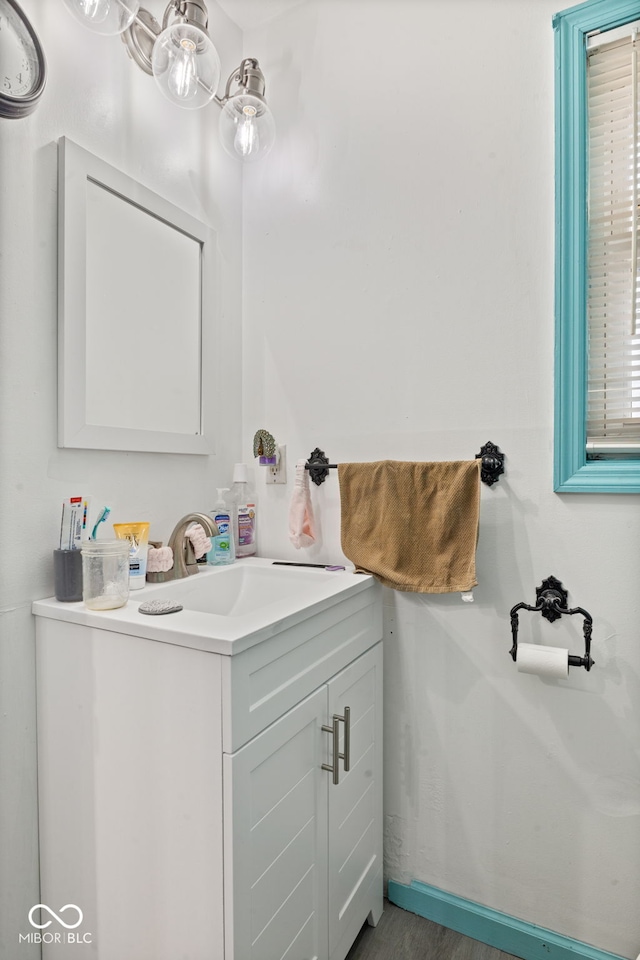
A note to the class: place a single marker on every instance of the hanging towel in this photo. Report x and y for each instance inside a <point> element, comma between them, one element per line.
<point>200,542</point>
<point>301,523</point>
<point>414,526</point>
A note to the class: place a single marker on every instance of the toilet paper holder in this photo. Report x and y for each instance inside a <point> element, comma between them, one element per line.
<point>551,602</point>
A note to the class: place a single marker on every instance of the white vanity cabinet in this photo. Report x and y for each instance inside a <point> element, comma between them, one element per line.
<point>185,807</point>
<point>306,851</point>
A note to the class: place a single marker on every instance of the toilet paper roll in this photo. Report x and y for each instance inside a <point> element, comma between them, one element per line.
<point>543,661</point>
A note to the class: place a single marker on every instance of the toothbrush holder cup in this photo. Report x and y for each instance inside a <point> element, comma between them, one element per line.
<point>67,573</point>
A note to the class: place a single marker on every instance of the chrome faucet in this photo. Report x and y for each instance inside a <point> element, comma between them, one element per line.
<point>184,561</point>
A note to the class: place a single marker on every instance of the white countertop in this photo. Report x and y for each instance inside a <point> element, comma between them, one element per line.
<point>259,600</point>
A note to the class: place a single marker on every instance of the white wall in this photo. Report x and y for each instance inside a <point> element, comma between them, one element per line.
<point>398,287</point>
<point>98,98</point>
<point>398,299</point>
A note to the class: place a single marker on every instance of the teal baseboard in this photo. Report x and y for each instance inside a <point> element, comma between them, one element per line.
<point>499,930</point>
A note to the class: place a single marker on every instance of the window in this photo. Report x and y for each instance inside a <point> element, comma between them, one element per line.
<point>597,428</point>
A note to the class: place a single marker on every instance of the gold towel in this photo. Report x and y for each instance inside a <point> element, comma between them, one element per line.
<point>414,526</point>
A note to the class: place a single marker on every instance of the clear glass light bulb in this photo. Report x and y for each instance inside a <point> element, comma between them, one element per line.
<point>108,17</point>
<point>247,139</point>
<point>247,128</point>
<point>186,65</point>
<point>182,77</point>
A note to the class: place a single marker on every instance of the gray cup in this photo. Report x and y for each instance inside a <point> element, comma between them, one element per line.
<point>67,570</point>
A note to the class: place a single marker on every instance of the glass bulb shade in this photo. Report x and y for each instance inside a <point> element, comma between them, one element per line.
<point>108,17</point>
<point>247,128</point>
<point>186,65</point>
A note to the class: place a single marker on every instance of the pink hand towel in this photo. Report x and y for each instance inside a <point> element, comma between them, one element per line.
<point>301,524</point>
<point>159,559</point>
<point>200,542</point>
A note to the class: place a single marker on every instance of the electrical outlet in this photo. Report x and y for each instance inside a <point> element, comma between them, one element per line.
<point>278,473</point>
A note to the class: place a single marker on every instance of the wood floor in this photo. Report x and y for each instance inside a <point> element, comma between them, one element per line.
<point>404,936</point>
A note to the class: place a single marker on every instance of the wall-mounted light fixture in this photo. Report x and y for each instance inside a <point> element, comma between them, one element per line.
<point>185,64</point>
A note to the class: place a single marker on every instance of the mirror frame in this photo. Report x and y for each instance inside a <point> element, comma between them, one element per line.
<point>76,168</point>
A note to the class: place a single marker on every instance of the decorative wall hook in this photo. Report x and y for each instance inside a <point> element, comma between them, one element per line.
<point>552,604</point>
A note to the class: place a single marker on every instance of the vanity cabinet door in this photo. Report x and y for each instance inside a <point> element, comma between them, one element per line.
<point>275,839</point>
<point>355,804</point>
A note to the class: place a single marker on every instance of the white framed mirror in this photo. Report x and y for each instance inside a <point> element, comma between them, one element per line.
<point>137,309</point>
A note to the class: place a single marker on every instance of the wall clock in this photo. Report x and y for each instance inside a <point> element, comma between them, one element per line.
<point>22,64</point>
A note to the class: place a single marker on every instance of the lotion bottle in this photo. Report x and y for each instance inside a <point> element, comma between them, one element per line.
<point>244,512</point>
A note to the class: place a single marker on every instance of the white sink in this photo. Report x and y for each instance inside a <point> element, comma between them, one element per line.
<point>245,587</point>
<point>225,609</point>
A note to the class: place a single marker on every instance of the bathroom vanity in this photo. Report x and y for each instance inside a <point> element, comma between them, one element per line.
<point>192,804</point>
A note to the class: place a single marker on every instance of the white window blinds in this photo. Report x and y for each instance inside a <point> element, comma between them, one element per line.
<point>613,397</point>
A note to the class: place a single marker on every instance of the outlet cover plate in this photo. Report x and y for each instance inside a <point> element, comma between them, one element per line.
<point>278,473</point>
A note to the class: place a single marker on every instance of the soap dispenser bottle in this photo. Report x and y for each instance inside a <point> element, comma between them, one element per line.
<point>244,512</point>
<point>222,547</point>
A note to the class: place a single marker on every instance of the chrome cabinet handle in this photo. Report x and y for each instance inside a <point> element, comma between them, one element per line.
<point>346,756</point>
<point>334,730</point>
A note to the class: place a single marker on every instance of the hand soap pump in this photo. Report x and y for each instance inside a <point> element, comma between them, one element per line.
<point>244,512</point>
<point>222,547</point>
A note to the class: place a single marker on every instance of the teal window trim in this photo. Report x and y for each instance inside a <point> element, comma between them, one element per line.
<point>573,473</point>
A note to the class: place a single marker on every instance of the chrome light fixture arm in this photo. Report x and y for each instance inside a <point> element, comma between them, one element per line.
<point>189,11</point>
<point>249,76</point>
<point>145,22</point>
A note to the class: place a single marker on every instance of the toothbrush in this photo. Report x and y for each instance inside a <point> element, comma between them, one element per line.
<point>102,516</point>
